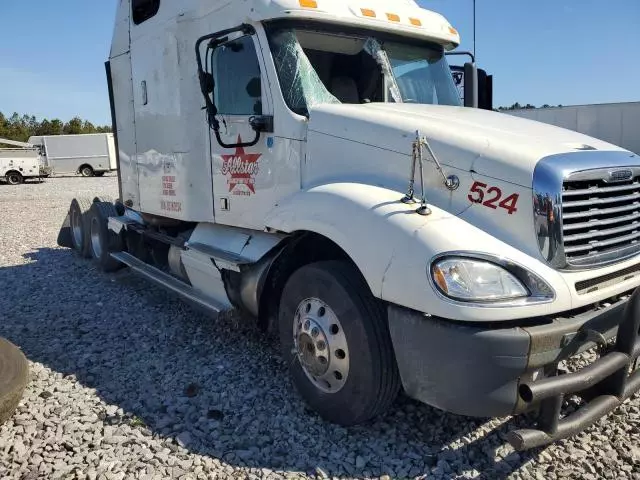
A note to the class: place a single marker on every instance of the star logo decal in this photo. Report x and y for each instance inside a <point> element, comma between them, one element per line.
<point>241,168</point>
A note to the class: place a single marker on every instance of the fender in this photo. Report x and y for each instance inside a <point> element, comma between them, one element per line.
<point>369,223</point>
<point>393,247</point>
<point>407,281</point>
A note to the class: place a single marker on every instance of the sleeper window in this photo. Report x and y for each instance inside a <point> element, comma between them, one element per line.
<point>238,83</point>
<point>143,10</point>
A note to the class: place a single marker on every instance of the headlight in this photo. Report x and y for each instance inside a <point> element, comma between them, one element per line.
<point>476,280</point>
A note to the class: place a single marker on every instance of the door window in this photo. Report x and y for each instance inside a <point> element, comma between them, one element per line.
<point>237,77</point>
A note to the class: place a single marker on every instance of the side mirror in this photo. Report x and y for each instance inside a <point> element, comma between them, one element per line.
<point>470,85</point>
<point>478,88</point>
<point>207,83</point>
<point>254,88</point>
<point>485,90</point>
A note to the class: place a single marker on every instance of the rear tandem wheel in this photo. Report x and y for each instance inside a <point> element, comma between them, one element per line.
<point>102,241</point>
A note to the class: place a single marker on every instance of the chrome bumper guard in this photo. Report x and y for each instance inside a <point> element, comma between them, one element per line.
<point>606,382</point>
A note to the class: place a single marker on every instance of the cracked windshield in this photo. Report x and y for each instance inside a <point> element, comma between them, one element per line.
<point>317,67</point>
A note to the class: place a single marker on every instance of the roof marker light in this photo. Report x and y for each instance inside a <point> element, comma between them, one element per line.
<point>393,17</point>
<point>453,31</point>
<point>416,22</point>
<point>309,3</point>
<point>368,12</point>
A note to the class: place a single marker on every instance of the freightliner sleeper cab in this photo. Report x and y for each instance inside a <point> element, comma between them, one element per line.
<point>310,162</point>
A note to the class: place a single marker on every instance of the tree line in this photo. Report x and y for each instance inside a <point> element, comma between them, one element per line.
<point>21,127</point>
<point>528,106</point>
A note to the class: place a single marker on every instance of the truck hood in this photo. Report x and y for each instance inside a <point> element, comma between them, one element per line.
<point>488,143</point>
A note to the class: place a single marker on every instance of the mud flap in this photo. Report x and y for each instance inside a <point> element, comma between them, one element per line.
<point>64,237</point>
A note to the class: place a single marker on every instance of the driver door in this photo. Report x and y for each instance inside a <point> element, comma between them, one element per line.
<point>243,159</point>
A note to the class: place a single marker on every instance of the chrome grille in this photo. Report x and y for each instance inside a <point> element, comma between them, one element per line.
<point>600,220</point>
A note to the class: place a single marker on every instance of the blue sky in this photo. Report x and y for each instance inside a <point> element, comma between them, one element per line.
<point>540,51</point>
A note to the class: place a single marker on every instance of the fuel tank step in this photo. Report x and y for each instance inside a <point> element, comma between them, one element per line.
<point>170,283</point>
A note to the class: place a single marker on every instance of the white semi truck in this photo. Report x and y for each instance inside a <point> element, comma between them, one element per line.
<point>20,161</point>
<point>89,155</point>
<point>334,187</point>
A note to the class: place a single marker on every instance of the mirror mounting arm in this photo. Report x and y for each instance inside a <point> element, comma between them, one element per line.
<point>259,123</point>
<point>207,85</point>
<point>236,145</point>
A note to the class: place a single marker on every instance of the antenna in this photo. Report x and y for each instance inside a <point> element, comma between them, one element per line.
<point>474,28</point>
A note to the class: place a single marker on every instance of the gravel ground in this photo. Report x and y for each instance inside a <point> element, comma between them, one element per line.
<point>129,383</point>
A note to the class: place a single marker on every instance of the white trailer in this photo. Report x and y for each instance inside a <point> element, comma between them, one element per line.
<point>20,161</point>
<point>335,188</point>
<point>88,155</point>
<point>617,123</point>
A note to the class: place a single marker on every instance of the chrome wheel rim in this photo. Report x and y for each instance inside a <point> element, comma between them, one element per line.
<point>76,228</point>
<point>321,345</point>
<point>96,246</point>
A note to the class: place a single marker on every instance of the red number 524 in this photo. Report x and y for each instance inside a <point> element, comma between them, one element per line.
<point>491,197</point>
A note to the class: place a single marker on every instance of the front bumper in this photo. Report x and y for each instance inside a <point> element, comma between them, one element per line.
<point>487,372</point>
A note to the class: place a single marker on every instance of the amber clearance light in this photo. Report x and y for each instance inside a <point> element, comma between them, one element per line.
<point>438,276</point>
<point>367,12</point>
<point>309,3</point>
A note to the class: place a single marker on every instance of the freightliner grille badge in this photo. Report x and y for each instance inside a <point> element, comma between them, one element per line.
<point>620,176</point>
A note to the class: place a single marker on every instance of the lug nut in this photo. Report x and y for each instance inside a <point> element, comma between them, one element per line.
<point>321,345</point>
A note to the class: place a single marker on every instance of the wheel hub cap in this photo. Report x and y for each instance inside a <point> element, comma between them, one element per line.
<point>321,345</point>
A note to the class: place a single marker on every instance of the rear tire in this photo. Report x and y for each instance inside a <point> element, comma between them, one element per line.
<point>102,241</point>
<point>15,178</point>
<point>87,171</point>
<point>14,376</point>
<point>78,221</point>
<point>335,339</point>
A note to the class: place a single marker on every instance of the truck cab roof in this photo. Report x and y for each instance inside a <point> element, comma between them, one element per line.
<point>403,17</point>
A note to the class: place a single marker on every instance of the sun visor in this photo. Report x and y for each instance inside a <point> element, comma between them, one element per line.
<point>402,17</point>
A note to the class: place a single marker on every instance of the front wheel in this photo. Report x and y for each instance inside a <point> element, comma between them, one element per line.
<point>335,339</point>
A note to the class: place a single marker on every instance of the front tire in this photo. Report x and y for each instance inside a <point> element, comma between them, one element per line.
<point>335,339</point>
